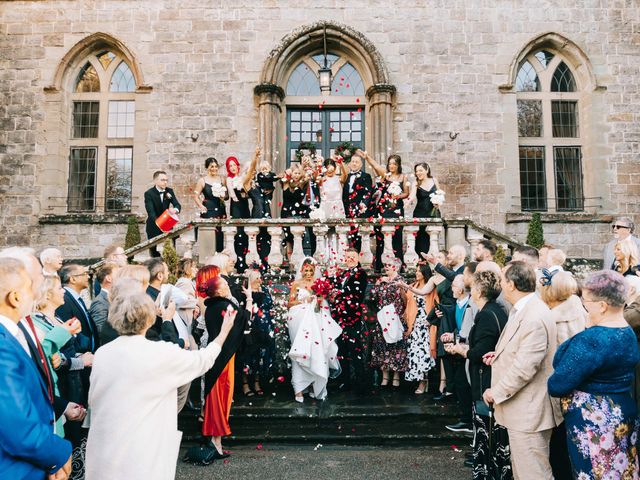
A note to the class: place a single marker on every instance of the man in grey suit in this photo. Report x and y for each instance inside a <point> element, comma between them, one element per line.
<point>622,228</point>
<point>99,309</point>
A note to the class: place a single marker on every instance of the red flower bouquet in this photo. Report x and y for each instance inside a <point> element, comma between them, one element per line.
<point>321,287</point>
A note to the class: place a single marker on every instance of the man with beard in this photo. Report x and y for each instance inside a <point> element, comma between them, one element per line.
<point>347,305</point>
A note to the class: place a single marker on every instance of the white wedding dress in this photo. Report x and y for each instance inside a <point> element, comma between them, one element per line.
<point>313,345</point>
<point>331,197</point>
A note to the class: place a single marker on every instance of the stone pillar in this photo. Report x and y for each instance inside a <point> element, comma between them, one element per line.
<point>473,238</point>
<point>252,254</point>
<point>434,238</point>
<point>455,235</point>
<point>298,254</point>
<point>410,256</point>
<point>321,231</point>
<point>366,255</point>
<point>388,231</point>
<point>342,232</point>
<point>275,255</point>
<point>380,119</point>
<point>229,234</point>
<point>206,242</point>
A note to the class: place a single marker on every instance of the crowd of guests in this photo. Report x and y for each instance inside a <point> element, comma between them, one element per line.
<point>313,187</point>
<point>544,369</point>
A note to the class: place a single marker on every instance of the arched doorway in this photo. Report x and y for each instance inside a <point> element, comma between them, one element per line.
<point>294,108</point>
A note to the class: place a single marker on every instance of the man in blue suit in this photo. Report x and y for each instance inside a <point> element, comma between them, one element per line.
<point>29,447</point>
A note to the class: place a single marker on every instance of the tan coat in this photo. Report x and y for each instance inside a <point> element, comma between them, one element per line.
<point>522,365</point>
<point>570,318</point>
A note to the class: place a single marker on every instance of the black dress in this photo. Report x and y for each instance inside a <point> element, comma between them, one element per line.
<point>240,209</point>
<point>215,209</point>
<point>424,209</point>
<point>293,207</point>
<point>388,209</point>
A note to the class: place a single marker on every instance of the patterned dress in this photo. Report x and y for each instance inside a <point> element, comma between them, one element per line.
<point>391,356</point>
<point>418,351</point>
<point>593,372</point>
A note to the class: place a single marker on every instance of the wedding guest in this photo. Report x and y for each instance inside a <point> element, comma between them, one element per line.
<point>426,185</point>
<point>219,380</point>
<point>56,336</point>
<point>626,257</point>
<point>484,250</point>
<point>51,259</point>
<point>294,186</point>
<point>389,357</point>
<point>210,195</point>
<point>453,266</point>
<point>632,316</point>
<point>528,255</point>
<point>558,290</point>
<point>592,375</point>
<point>392,189</point>
<point>140,273</point>
<point>486,266</point>
<point>261,195</point>
<point>555,258</point>
<point>30,448</point>
<point>99,310</point>
<point>622,229</point>
<point>156,200</point>
<point>491,445</point>
<point>356,197</point>
<point>162,329</point>
<point>238,186</point>
<point>543,251</point>
<point>114,254</point>
<point>187,269</point>
<point>121,286</point>
<point>257,353</point>
<point>133,403</point>
<point>521,365</point>
<point>347,306</point>
<point>417,333</point>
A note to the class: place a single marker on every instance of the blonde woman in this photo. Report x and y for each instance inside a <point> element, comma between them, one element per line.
<point>626,255</point>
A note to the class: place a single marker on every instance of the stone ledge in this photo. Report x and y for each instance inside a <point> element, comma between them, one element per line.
<point>88,218</point>
<point>568,217</point>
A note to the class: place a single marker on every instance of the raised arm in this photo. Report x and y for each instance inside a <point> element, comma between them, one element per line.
<point>251,171</point>
<point>343,172</point>
<point>425,290</point>
<point>379,169</point>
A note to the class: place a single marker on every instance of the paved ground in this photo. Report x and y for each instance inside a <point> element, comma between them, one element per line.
<point>290,462</point>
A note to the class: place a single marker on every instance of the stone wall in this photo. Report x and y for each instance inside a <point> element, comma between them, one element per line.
<point>447,61</point>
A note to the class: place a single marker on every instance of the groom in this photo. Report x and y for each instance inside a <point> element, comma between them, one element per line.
<point>347,308</point>
<point>156,200</point>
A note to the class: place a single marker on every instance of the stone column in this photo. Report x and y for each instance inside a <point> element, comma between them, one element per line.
<point>366,255</point>
<point>455,234</point>
<point>380,118</point>
<point>298,254</point>
<point>388,231</point>
<point>473,238</point>
<point>321,231</point>
<point>275,255</point>
<point>229,234</point>
<point>206,242</point>
<point>252,253</point>
<point>342,232</point>
<point>434,238</point>
<point>410,256</point>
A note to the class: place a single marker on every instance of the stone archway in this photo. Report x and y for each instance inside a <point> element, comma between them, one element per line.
<point>270,93</point>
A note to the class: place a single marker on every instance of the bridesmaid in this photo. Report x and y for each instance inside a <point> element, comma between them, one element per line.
<point>420,193</point>
<point>210,196</point>
<point>238,186</point>
<point>389,205</point>
<point>389,356</point>
<point>294,187</point>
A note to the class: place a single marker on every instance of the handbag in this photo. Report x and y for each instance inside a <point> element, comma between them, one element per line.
<point>392,328</point>
<point>200,455</point>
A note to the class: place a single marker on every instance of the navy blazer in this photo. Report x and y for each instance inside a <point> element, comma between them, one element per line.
<point>29,448</point>
<point>87,340</point>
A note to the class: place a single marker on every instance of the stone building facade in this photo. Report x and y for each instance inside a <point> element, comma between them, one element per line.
<point>517,106</point>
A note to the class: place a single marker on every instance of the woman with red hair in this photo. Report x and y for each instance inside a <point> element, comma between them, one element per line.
<point>238,185</point>
<point>219,381</point>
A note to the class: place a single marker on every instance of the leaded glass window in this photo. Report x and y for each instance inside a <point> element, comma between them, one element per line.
<point>564,118</point>
<point>347,82</point>
<point>568,173</point>
<point>85,119</point>
<point>533,190</point>
<point>121,119</point>
<point>119,168</point>
<point>527,80</point>
<point>562,80</point>
<point>122,80</point>
<point>530,118</point>
<point>82,179</point>
<point>87,79</point>
<point>303,81</point>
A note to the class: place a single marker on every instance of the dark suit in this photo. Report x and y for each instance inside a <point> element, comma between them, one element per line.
<point>155,204</point>
<point>87,340</point>
<point>347,308</point>
<point>447,297</point>
<point>30,448</point>
<point>161,330</point>
<point>356,197</point>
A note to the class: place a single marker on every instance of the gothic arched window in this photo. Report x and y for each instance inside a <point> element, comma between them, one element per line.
<point>101,136</point>
<point>550,138</point>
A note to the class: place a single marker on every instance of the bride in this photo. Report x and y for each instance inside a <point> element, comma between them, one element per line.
<point>313,336</point>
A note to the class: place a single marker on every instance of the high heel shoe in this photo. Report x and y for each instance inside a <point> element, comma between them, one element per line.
<point>299,399</point>
<point>396,382</point>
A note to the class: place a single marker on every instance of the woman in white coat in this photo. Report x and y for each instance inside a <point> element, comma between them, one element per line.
<point>133,399</point>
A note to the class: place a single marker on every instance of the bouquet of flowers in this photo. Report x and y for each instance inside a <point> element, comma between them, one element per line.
<point>437,198</point>
<point>394,189</point>
<point>218,190</point>
<point>321,287</point>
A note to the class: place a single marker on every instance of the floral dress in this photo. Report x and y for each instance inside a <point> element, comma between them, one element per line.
<point>593,372</point>
<point>388,356</point>
<point>418,352</point>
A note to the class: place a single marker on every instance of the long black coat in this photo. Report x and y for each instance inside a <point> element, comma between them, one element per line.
<point>483,338</point>
<point>348,305</point>
<point>155,207</point>
<point>213,317</point>
<point>359,195</point>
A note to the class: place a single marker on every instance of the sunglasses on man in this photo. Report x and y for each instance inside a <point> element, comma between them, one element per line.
<point>617,227</point>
